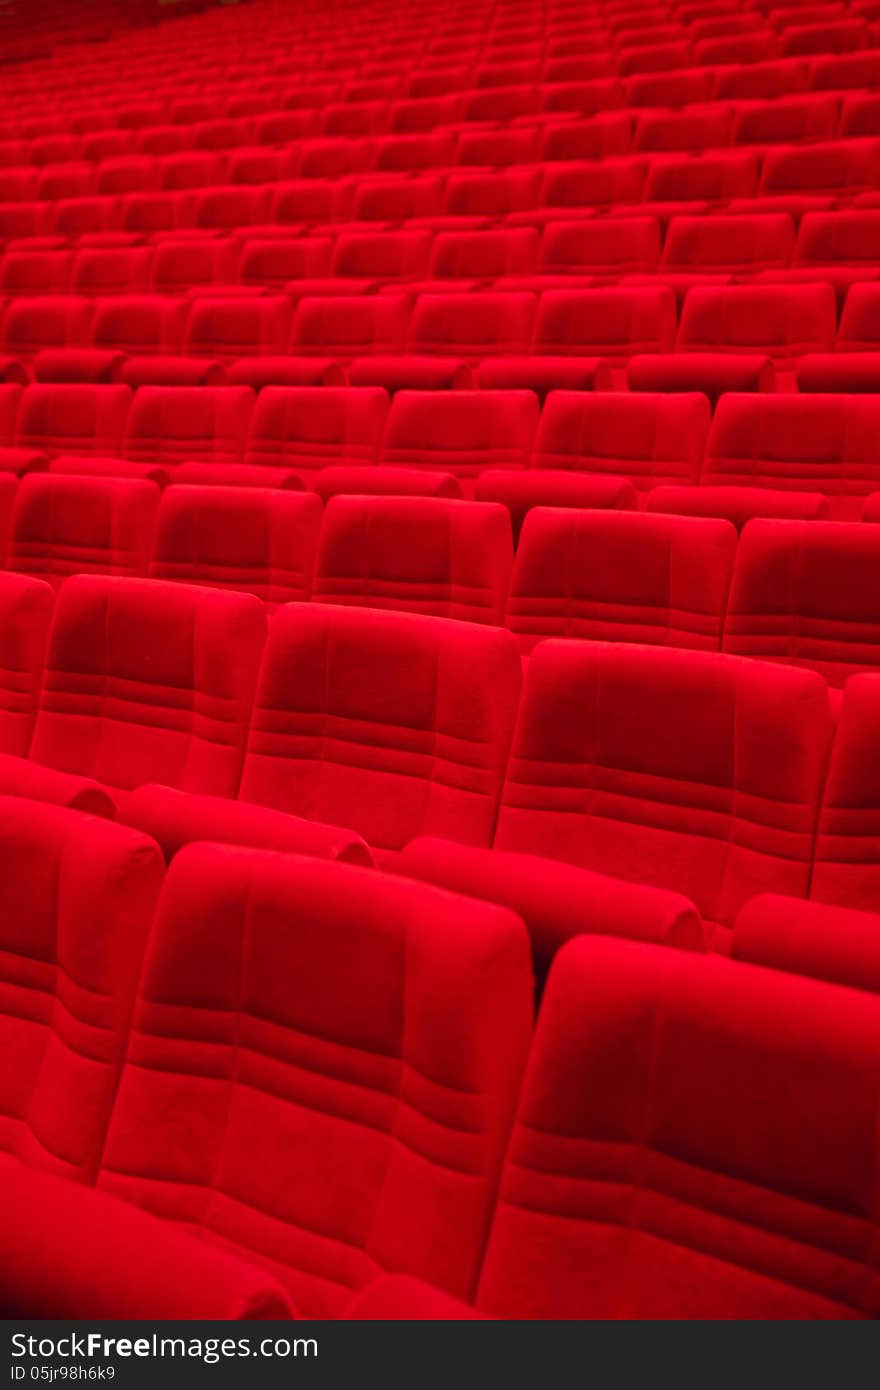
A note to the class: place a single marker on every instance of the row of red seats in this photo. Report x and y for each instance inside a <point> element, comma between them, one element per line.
<point>584,83</point>
<point>787,178</point>
<point>145,708</point>
<point>791,591</point>
<point>726,338</point>
<point>167,1070</point>
<point>838,246</point>
<point>458,129</point>
<point>759,455</point>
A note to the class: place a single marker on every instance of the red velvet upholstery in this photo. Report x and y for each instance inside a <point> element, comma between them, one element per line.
<point>461,433</point>
<point>148,681</point>
<point>828,444</point>
<point>71,419</point>
<point>309,428</point>
<point>25,614</point>
<point>846,870</point>
<point>621,576</point>
<point>188,424</point>
<point>782,321</point>
<point>67,1252</point>
<point>78,898</point>
<point>837,944</point>
<point>658,791</point>
<point>648,438</point>
<point>391,724</point>
<point>739,504</point>
<point>807,595</point>
<point>77,525</point>
<point>416,554</point>
<point>405,1088</point>
<point>256,539</point>
<point>663,1163</point>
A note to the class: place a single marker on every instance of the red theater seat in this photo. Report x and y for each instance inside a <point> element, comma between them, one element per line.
<point>472,326</point>
<point>702,812</point>
<point>25,614</point>
<point>621,576</point>
<point>846,238</point>
<point>144,681</point>
<point>245,326</point>
<point>34,323</point>
<point>428,555</point>
<point>649,438</point>
<point>790,120</point>
<point>387,255</point>
<point>828,444</point>
<point>739,504</point>
<point>843,168</point>
<point>78,898</point>
<point>78,525</point>
<point>462,432</point>
<point>606,247</point>
<point>740,245</point>
<point>73,419</point>
<point>181,266</point>
<point>111,270</point>
<point>714,177</point>
<point>782,321</point>
<point>858,331</point>
<point>846,866</point>
<point>837,944</point>
<point>305,429</point>
<point>345,327</point>
<point>419,1181</point>
<point>519,490</point>
<point>418,748</point>
<point>271,262</point>
<point>188,424</point>
<point>621,1027</point>
<point>34,272</point>
<point>611,323</point>
<point>258,540</point>
<point>807,595</point>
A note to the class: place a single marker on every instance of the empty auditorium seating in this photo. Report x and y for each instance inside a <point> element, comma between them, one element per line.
<point>738,504</point>
<point>442,443</point>
<point>367,1083</point>
<point>143,681</point>
<point>782,321</point>
<point>621,576</point>
<point>305,429</point>
<point>806,595</point>
<point>188,424</point>
<point>346,327</point>
<point>655,792</point>
<point>649,438</point>
<point>255,539</point>
<point>462,433</point>
<point>78,898</point>
<point>837,944</point>
<point>472,326</point>
<point>73,419</point>
<point>622,1023</point>
<point>610,323</point>
<point>734,245</point>
<point>416,554</point>
<point>77,525</point>
<point>418,746</point>
<point>25,613</point>
<point>241,327</point>
<point>845,870</point>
